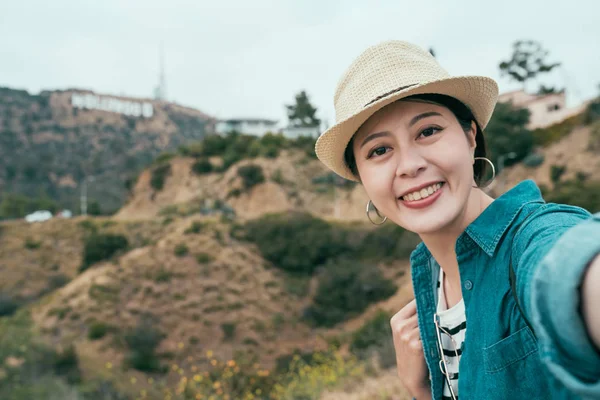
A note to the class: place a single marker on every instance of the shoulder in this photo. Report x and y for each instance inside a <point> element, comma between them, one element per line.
<point>545,223</point>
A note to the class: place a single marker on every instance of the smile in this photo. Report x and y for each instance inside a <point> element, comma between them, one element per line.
<point>423,193</point>
<point>424,197</point>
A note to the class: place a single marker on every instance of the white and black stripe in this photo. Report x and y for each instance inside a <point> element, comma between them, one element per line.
<point>454,322</point>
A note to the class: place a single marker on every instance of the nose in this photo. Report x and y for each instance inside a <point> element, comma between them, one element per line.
<point>410,163</point>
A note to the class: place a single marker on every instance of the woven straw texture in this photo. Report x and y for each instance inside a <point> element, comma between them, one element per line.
<point>385,73</point>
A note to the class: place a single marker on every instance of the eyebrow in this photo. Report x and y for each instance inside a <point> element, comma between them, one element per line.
<point>413,121</point>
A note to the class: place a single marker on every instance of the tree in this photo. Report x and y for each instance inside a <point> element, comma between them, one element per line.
<point>507,132</point>
<point>302,113</point>
<point>527,62</point>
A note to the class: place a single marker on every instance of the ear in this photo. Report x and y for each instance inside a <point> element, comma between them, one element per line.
<point>471,138</point>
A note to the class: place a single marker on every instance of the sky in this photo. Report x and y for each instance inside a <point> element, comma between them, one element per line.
<point>248,58</point>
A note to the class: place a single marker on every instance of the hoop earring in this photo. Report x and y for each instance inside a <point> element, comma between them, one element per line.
<point>370,207</point>
<point>493,172</point>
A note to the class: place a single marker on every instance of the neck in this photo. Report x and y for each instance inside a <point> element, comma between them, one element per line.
<point>442,243</point>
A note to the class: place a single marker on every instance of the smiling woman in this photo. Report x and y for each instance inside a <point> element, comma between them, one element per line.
<point>413,136</point>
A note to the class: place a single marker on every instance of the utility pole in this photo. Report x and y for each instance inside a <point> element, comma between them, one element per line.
<point>83,205</point>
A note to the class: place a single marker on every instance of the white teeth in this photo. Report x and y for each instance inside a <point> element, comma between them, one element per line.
<point>423,193</point>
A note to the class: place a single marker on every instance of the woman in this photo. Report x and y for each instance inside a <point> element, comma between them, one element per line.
<point>506,286</point>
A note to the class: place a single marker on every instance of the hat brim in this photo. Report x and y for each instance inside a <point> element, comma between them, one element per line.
<point>479,93</point>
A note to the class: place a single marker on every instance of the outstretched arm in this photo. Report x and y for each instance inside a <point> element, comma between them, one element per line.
<point>590,300</point>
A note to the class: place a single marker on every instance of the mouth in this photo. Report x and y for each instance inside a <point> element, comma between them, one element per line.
<point>423,197</point>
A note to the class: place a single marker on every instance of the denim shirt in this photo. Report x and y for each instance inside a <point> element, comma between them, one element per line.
<point>549,245</point>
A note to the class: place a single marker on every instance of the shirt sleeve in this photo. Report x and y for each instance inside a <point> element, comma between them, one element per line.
<point>555,245</point>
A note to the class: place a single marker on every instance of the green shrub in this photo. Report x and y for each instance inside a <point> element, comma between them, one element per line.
<point>202,166</point>
<point>142,340</point>
<point>592,112</point>
<point>99,247</point>
<point>164,157</point>
<point>277,177</point>
<point>213,145</point>
<point>533,160</point>
<point>159,175</point>
<point>553,133</point>
<point>181,250</point>
<point>31,244</point>
<point>98,330</point>
<point>228,329</point>
<point>582,194</point>
<point>271,151</point>
<point>251,175</point>
<point>296,242</point>
<point>556,171</point>
<point>204,258</point>
<point>387,242</point>
<point>594,140</point>
<point>375,338</point>
<point>346,288</point>
<point>196,227</point>
<point>8,304</point>
<point>507,132</point>
<point>162,275</point>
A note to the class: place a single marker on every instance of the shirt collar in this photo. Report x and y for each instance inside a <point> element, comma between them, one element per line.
<point>489,227</point>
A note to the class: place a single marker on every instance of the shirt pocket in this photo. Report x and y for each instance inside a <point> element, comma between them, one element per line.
<point>513,348</point>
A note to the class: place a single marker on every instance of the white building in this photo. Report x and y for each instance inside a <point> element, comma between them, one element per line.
<point>248,126</point>
<point>546,109</point>
<point>297,131</point>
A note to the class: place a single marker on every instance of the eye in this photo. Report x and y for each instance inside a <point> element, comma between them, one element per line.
<point>378,151</point>
<point>430,131</point>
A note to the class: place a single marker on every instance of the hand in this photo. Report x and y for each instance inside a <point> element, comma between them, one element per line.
<point>590,298</point>
<point>412,369</point>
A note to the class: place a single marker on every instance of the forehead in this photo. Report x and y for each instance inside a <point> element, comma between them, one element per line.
<point>397,113</point>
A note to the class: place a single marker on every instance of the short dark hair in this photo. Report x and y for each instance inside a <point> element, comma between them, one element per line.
<point>464,116</point>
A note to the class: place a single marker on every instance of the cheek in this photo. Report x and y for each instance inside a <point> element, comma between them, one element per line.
<point>378,182</point>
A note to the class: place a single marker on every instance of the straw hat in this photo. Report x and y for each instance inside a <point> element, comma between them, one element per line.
<point>385,73</point>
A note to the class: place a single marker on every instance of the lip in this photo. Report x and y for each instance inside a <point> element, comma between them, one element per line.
<point>424,202</point>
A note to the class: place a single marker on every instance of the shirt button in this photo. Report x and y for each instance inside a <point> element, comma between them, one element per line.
<point>468,285</point>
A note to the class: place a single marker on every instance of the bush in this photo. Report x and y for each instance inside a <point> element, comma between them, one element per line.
<point>507,132</point>
<point>375,338</point>
<point>8,305</point>
<point>31,244</point>
<point>159,175</point>
<point>181,250</point>
<point>582,194</point>
<point>346,288</point>
<point>196,227</point>
<point>228,329</point>
<point>556,171</point>
<point>533,160</point>
<point>142,341</point>
<point>99,247</point>
<point>389,242</point>
<point>202,166</point>
<point>592,112</point>
<point>553,133</point>
<point>98,330</point>
<point>251,175</point>
<point>204,258</point>
<point>296,243</point>
<point>594,140</point>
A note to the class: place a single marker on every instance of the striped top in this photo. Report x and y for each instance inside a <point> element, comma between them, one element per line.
<point>454,322</point>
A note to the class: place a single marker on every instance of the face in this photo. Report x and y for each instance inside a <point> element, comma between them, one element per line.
<point>416,164</point>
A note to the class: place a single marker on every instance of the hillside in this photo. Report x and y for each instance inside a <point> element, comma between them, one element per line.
<point>219,269</point>
<point>48,144</point>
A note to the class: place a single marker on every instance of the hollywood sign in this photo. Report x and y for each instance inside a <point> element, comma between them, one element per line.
<point>130,108</point>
